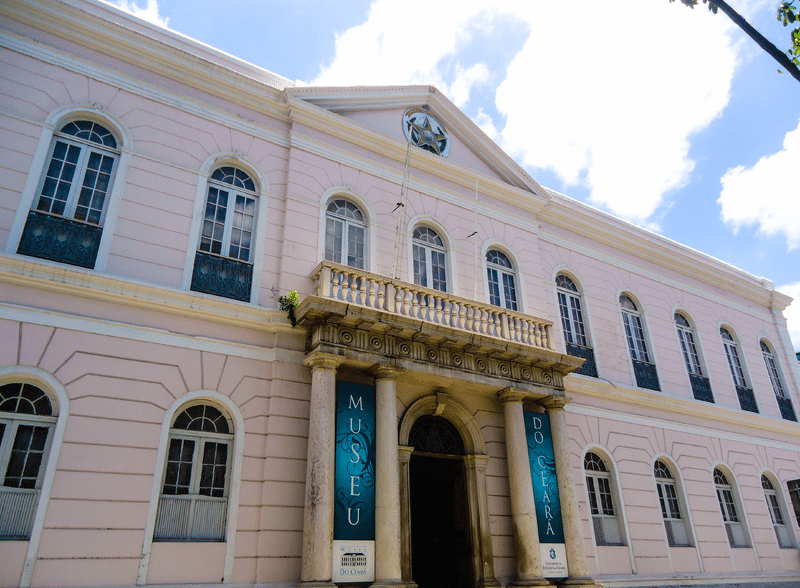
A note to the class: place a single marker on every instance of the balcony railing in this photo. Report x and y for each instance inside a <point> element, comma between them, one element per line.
<point>360,288</point>
<point>190,517</point>
<point>787,410</point>
<point>646,376</point>
<point>17,506</point>
<point>701,388</point>
<point>222,276</point>
<point>747,400</point>
<point>589,367</point>
<point>60,239</point>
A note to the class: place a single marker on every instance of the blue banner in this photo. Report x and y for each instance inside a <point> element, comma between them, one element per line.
<point>354,513</point>
<point>543,473</point>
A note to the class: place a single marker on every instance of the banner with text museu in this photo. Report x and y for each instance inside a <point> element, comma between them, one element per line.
<point>545,495</point>
<point>354,510</point>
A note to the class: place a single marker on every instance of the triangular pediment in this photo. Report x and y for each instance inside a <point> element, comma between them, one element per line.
<point>381,109</point>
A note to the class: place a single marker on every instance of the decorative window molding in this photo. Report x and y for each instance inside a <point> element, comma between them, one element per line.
<point>501,279</point>
<point>194,496</point>
<point>643,367</point>
<point>223,263</point>
<point>747,399</point>
<point>781,392</point>
<point>429,259</point>
<point>730,507</point>
<point>777,513</point>
<point>602,501</point>
<point>701,385</point>
<point>670,499</point>
<point>26,423</point>
<point>72,198</point>
<point>572,324</point>
<point>345,234</point>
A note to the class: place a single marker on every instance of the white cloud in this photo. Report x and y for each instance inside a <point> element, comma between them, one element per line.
<point>149,12</point>
<point>792,314</point>
<point>608,103</point>
<point>766,195</point>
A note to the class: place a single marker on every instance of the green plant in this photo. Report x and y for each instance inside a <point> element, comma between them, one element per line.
<point>289,303</point>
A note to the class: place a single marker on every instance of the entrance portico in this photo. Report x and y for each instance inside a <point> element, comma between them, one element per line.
<point>422,351</point>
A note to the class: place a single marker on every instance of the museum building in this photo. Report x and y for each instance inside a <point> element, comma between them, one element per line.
<point>257,333</point>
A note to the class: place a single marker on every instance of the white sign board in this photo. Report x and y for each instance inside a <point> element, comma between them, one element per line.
<point>353,561</point>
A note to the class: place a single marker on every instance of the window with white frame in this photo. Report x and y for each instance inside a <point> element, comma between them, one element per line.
<point>194,498</point>
<point>601,501</point>
<point>223,264</point>
<point>701,387</point>
<point>65,220</point>
<point>747,399</point>
<point>776,513</point>
<point>572,323</point>
<point>26,421</point>
<point>500,274</point>
<point>430,259</point>
<point>669,500</point>
<point>781,394</point>
<point>345,234</point>
<point>643,367</point>
<point>229,220</point>
<point>729,509</point>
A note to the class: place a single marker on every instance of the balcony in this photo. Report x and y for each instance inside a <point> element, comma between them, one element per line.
<point>787,410</point>
<point>701,388</point>
<point>646,376</point>
<point>56,238</point>
<point>370,317</point>
<point>747,400</point>
<point>589,367</point>
<point>222,276</point>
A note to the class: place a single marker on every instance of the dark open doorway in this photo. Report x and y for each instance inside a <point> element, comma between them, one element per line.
<point>441,537</point>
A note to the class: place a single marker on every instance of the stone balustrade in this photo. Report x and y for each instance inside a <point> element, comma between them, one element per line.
<point>361,288</point>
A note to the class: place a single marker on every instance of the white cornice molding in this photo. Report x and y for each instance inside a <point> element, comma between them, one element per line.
<point>54,278</point>
<point>114,33</point>
<point>621,235</point>
<point>718,419</point>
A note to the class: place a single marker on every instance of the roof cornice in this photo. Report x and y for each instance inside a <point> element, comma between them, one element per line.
<point>121,36</point>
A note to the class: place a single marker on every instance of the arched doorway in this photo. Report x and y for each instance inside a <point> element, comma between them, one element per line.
<point>442,550</point>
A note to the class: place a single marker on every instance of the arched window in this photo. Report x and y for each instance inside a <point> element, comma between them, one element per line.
<point>701,386</point>
<point>728,505</point>
<point>223,262</point>
<point>643,367</point>
<point>747,399</point>
<point>571,310</point>
<point>430,259</point>
<point>26,420</point>
<point>500,273</point>
<point>601,501</point>
<point>345,234</point>
<point>669,499</point>
<point>194,498</point>
<point>65,221</point>
<point>776,513</point>
<point>784,401</point>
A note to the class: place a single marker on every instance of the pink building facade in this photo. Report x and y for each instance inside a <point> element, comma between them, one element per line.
<point>163,422</point>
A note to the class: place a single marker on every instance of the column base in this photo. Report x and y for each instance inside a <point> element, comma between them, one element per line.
<point>318,584</point>
<point>580,582</point>
<point>489,583</point>
<point>531,582</point>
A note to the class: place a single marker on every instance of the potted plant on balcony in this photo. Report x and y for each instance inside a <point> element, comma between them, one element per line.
<point>289,303</point>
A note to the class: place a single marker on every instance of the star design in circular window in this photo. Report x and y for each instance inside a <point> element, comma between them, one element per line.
<point>424,131</point>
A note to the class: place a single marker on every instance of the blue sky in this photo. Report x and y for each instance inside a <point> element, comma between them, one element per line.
<point>668,117</point>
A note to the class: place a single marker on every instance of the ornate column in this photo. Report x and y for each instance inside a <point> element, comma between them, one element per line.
<point>523,507</point>
<point>388,570</point>
<point>570,513</point>
<point>317,563</point>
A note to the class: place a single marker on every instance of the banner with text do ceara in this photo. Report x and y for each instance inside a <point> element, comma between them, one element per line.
<point>545,495</point>
<point>354,510</point>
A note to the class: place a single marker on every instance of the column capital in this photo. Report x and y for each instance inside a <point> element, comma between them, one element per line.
<point>554,402</point>
<point>507,395</point>
<point>326,361</point>
<point>404,453</point>
<point>385,371</point>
